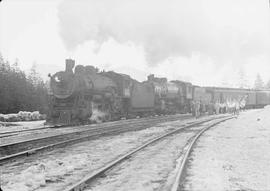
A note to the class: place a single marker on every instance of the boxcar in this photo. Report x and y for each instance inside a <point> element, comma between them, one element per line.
<point>231,94</point>
<point>201,94</point>
<point>262,98</point>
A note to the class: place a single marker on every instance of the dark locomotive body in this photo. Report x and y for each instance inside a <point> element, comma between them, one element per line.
<point>171,97</point>
<point>76,94</point>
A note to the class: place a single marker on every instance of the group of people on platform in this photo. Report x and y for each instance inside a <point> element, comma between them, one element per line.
<point>234,106</point>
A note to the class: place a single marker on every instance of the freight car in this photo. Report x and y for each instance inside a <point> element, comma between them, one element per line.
<point>202,94</point>
<point>223,95</point>
<point>249,97</point>
<point>262,98</point>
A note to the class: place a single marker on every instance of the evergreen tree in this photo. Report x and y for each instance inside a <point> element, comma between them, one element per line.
<point>33,76</point>
<point>19,92</point>
<point>267,86</point>
<point>258,85</point>
<point>242,79</point>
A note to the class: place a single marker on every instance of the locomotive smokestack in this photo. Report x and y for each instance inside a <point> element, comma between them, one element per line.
<point>69,65</point>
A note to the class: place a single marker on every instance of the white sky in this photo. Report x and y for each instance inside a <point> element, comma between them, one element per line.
<point>234,36</point>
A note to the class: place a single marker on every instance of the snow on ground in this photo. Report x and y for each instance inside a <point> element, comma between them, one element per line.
<point>147,170</point>
<point>14,126</point>
<point>22,116</point>
<point>153,168</point>
<point>56,169</point>
<point>233,156</point>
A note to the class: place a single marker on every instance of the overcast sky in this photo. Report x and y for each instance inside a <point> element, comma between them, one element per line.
<point>206,42</point>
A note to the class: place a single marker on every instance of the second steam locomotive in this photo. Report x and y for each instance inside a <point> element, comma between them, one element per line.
<point>77,93</point>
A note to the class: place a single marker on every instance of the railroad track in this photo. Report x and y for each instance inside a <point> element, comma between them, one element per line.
<point>41,129</point>
<point>18,132</point>
<point>178,183</point>
<point>90,178</point>
<point>27,147</point>
<point>57,127</point>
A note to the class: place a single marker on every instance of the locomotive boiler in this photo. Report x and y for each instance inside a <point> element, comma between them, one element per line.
<point>74,95</point>
<point>171,97</point>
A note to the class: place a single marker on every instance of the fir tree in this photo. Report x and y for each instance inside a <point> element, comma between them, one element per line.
<point>19,92</point>
<point>258,85</point>
<point>242,79</point>
<point>267,86</point>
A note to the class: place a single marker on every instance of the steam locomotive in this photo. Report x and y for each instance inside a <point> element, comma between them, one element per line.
<point>75,94</point>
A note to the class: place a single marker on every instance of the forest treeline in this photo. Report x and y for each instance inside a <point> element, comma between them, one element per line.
<point>19,91</point>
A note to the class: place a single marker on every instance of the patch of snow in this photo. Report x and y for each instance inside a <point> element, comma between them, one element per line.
<point>147,170</point>
<point>233,156</point>
<point>22,116</point>
<point>61,167</point>
<point>151,169</point>
<point>14,126</point>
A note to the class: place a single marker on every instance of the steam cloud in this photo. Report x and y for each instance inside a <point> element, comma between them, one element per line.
<point>222,29</point>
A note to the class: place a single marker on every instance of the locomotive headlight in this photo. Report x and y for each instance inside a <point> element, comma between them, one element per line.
<point>57,79</point>
<point>62,85</point>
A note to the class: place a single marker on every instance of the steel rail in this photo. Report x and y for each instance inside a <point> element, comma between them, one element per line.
<point>56,127</point>
<point>88,129</point>
<point>97,173</point>
<point>23,130</point>
<point>61,143</point>
<point>9,135</point>
<point>117,128</point>
<point>179,177</point>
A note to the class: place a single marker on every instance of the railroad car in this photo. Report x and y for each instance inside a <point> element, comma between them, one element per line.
<point>262,98</point>
<point>201,94</point>
<point>204,97</point>
<point>247,97</point>
<point>142,101</point>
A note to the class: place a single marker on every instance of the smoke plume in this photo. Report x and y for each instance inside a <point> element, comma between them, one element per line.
<point>222,29</point>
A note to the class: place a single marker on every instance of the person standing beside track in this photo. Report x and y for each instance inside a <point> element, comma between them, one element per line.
<point>237,108</point>
<point>197,109</point>
<point>217,106</point>
<point>232,106</point>
<point>211,108</point>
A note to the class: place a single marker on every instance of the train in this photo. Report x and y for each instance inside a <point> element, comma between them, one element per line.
<point>79,91</point>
